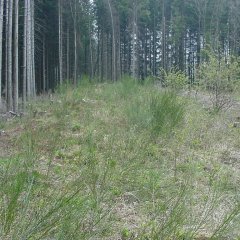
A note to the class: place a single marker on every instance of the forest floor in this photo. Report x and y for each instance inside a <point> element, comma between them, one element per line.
<point>100,162</point>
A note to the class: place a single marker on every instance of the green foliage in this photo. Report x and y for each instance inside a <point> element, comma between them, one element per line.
<point>160,111</point>
<point>1,125</point>
<point>172,222</point>
<point>175,79</point>
<point>167,112</point>
<point>219,77</point>
<point>126,234</point>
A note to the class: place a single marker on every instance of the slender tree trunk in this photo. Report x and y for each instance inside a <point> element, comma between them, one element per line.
<point>181,52</point>
<point>9,63</point>
<point>125,56</point>
<point>6,49</point>
<point>68,47</point>
<point>113,44</point>
<point>44,65</point>
<point>28,50</point>
<point>98,66</point>
<point>75,44</point>
<point>163,37</point>
<point>1,32</point>
<point>24,94</point>
<point>15,73</point>
<point>47,68</point>
<point>29,54</point>
<point>60,52</point>
<point>145,54</point>
<point>154,46</point>
<point>134,41</point>
<point>118,49</point>
<point>91,51</point>
<point>102,55</point>
<point>109,57</point>
<point>75,57</point>
<point>32,7</point>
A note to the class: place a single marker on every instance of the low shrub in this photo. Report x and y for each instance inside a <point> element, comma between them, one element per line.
<point>174,79</point>
<point>167,112</point>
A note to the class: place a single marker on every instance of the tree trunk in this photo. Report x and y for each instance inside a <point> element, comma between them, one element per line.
<point>163,38</point>
<point>68,47</point>
<point>9,63</point>
<point>134,41</point>
<point>15,73</point>
<point>1,32</point>
<point>44,65</point>
<point>154,46</point>
<point>90,50</point>
<point>60,51</point>
<point>30,87</point>
<point>6,49</point>
<point>24,94</point>
<point>75,44</point>
<point>32,7</point>
<point>182,55</point>
<point>113,44</point>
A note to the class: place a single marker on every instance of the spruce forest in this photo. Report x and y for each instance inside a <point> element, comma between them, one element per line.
<point>120,119</point>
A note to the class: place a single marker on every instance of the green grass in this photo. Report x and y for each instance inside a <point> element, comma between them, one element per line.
<point>119,161</point>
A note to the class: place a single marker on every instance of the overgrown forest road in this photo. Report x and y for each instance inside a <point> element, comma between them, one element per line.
<point>205,100</point>
<point>229,118</point>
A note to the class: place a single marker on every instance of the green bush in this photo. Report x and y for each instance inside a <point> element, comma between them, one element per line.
<point>175,79</point>
<point>220,78</point>
<point>167,112</point>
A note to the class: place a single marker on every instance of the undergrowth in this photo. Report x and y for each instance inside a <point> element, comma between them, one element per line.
<point>118,161</point>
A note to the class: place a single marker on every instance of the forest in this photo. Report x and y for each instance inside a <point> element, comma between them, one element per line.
<point>119,119</point>
<point>44,43</point>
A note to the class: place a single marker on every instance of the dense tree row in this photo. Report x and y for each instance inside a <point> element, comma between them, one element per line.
<point>44,42</point>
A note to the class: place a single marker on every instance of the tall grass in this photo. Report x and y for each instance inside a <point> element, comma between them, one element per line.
<point>167,112</point>
<point>106,168</point>
<point>35,205</point>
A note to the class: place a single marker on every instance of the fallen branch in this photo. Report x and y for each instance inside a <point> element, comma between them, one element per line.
<point>14,114</point>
